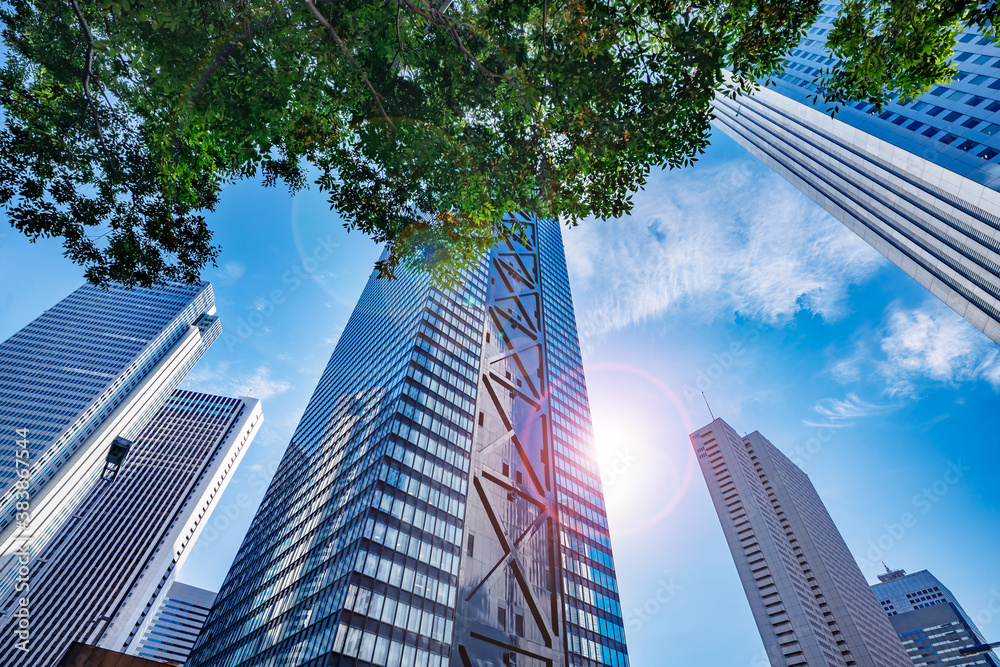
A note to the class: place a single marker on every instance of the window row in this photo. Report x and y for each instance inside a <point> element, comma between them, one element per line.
<point>380,650</point>
<point>394,573</point>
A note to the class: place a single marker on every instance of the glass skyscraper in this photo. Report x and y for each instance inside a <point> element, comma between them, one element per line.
<point>97,365</point>
<point>439,503</point>
<point>809,599</point>
<point>932,625</point>
<point>920,182</point>
<point>956,125</point>
<point>108,566</point>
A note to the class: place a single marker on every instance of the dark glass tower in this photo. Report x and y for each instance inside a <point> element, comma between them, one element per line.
<point>439,503</point>
<point>932,625</point>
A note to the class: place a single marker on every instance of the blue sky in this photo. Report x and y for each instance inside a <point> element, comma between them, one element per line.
<point>725,279</point>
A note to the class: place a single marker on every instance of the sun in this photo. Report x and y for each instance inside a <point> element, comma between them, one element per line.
<point>641,444</point>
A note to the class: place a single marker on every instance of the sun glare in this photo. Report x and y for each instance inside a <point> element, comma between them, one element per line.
<point>641,442</point>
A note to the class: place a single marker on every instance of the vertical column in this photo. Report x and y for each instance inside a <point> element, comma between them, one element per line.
<point>509,610</point>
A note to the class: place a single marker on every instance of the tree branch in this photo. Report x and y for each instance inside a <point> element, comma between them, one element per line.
<point>339,42</point>
<point>635,28</point>
<point>224,50</point>
<point>88,73</point>
<point>434,17</point>
<point>545,13</point>
<point>399,39</point>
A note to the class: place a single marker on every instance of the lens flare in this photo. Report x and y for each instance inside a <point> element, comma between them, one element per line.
<point>664,504</point>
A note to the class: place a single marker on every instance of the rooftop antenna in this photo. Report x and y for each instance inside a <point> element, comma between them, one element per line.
<point>886,567</point>
<point>708,406</point>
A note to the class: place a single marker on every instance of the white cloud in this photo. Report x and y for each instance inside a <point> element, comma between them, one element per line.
<point>849,369</point>
<point>231,272</point>
<point>934,342</point>
<point>219,380</point>
<point>837,412</point>
<point>710,242</point>
<point>260,384</point>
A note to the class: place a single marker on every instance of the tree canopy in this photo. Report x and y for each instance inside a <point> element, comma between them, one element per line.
<point>424,122</point>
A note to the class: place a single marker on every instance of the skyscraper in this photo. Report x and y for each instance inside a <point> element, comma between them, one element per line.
<point>809,599</point>
<point>439,503</point>
<point>97,365</point>
<point>929,620</point>
<point>98,579</point>
<point>172,629</point>
<point>920,182</point>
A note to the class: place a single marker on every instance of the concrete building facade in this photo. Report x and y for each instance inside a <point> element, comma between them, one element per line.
<point>808,596</point>
<point>173,627</point>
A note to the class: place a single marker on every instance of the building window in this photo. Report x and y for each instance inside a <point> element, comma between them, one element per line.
<point>962,57</point>
<point>948,138</point>
<point>967,145</point>
<point>975,101</point>
<point>989,153</point>
<point>952,116</point>
<point>914,126</point>
<point>930,131</point>
<point>971,122</point>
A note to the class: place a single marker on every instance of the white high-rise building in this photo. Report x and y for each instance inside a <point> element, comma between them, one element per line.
<point>170,631</point>
<point>811,603</point>
<point>97,365</point>
<point>99,579</point>
<point>920,181</point>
